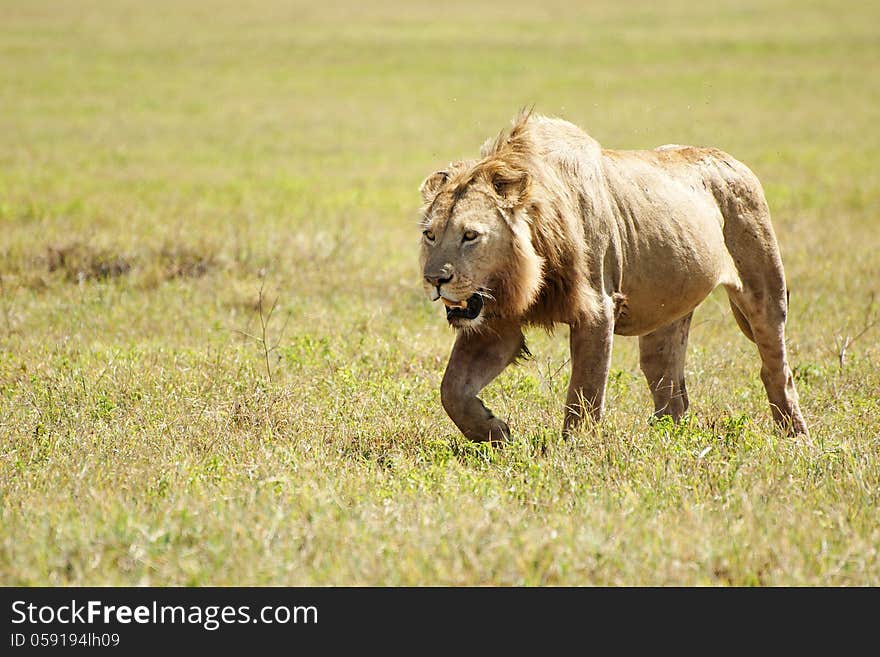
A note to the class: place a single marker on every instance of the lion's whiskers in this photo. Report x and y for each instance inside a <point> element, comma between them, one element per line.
<point>486,294</point>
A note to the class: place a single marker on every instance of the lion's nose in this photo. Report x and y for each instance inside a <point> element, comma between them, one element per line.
<point>439,277</point>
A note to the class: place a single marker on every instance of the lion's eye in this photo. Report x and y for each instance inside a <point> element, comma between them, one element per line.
<point>469,236</point>
<point>429,235</point>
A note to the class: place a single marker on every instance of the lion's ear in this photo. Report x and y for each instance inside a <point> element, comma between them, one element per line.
<point>432,184</point>
<point>511,186</point>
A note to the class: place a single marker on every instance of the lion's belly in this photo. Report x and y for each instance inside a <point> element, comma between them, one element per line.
<point>649,309</point>
<point>672,262</point>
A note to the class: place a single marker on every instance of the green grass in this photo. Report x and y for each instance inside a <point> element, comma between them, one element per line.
<point>162,163</point>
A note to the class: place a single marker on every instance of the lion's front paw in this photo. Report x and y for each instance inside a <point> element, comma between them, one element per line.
<point>499,432</point>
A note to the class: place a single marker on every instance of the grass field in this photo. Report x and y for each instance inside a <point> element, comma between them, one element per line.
<point>171,171</point>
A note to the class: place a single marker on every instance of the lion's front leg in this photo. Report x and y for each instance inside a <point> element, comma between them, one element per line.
<point>477,358</point>
<point>590,358</point>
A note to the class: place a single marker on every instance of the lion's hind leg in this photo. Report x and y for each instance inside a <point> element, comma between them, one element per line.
<point>662,357</point>
<point>759,299</point>
<point>764,311</point>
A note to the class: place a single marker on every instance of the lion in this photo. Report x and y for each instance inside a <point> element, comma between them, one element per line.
<point>546,227</point>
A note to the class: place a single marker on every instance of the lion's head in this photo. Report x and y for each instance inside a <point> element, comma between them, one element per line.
<point>477,253</point>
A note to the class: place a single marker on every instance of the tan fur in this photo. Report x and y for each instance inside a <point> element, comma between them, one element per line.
<point>608,242</point>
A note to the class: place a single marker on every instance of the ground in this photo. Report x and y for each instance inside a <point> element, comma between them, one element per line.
<point>171,172</point>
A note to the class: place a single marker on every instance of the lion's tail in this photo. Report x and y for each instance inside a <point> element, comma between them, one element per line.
<point>741,320</point>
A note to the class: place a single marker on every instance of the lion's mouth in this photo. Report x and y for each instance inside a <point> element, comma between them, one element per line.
<point>469,309</point>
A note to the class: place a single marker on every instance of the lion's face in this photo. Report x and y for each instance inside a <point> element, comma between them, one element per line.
<point>476,251</point>
<point>463,240</point>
